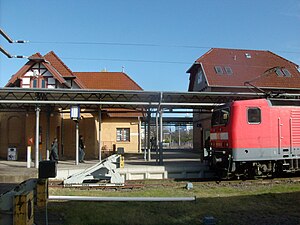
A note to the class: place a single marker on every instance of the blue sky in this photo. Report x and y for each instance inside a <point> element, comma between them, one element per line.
<point>155,41</point>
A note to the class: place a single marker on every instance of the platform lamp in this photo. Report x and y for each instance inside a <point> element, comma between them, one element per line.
<point>75,116</point>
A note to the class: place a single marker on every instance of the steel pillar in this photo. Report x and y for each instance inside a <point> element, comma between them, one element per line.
<point>77,142</point>
<point>145,140</point>
<point>148,136</point>
<point>37,136</point>
<point>48,146</point>
<point>139,137</point>
<point>99,133</point>
<point>161,158</point>
<point>157,137</point>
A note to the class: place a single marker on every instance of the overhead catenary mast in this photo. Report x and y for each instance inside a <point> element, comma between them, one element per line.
<point>10,40</point>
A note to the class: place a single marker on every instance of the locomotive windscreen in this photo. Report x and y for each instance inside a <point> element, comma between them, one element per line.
<point>220,117</point>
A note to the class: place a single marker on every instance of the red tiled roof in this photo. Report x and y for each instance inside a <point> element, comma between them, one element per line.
<point>24,69</point>
<point>20,73</point>
<point>247,69</point>
<point>56,62</point>
<point>107,81</point>
<point>85,80</point>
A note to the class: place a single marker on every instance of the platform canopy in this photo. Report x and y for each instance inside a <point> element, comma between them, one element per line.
<point>21,98</point>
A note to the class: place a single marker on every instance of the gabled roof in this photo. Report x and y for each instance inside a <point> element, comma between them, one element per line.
<point>246,65</point>
<point>61,68</point>
<point>53,64</point>
<point>56,62</point>
<point>107,81</point>
<point>85,80</point>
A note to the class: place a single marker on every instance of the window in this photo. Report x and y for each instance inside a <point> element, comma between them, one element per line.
<point>43,83</point>
<point>220,117</point>
<point>223,70</point>
<point>39,82</point>
<point>286,72</point>
<point>248,55</point>
<point>283,72</point>
<point>123,134</point>
<point>254,115</point>
<point>34,83</point>
<point>199,76</point>
<point>228,70</point>
<point>279,72</point>
<point>218,69</point>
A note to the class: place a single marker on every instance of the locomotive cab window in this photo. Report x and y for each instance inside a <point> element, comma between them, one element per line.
<point>220,117</point>
<point>254,115</point>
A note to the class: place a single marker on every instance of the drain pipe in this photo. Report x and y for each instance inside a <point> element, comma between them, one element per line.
<point>121,199</point>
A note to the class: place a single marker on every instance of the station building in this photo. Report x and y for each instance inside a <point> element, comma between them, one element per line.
<point>109,130</point>
<point>239,71</point>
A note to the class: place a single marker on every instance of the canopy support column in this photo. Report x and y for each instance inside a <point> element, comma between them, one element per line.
<point>161,157</point>
<point>99,133</point>
<point>77,142</point>
<point>37,135</point>
<point>148,136</point>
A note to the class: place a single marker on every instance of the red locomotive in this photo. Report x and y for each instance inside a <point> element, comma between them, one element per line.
<point>257,137</point>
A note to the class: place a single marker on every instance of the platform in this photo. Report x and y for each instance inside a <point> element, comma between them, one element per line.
<point>177,164</point>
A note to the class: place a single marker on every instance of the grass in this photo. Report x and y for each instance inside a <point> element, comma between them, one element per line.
<point>234,203</point>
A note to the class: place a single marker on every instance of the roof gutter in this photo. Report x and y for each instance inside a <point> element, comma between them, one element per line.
<point>280,88</point>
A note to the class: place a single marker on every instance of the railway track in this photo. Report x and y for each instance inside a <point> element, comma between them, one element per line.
<point>138,184</point>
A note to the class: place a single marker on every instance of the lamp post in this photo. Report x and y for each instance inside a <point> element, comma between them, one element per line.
<point>75,116</point>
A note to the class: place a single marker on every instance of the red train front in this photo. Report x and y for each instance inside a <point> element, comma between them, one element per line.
<point>255,138</point>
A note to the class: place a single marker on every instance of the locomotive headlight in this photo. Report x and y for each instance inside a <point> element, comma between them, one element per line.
<point>224,152</point>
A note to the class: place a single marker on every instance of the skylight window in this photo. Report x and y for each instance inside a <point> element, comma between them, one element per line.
<point>218,69</point>
<point>228,70</point>
<point>283,72</point>
<point>286,72</point>
<point>279,72</point>
<point>248,55</point>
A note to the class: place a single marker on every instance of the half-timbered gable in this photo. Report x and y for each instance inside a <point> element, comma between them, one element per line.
<point>44,72</point>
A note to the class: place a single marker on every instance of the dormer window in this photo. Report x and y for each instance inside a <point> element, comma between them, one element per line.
<point>218,69</point>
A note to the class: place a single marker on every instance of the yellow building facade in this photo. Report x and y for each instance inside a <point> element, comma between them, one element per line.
<point>103,133</point>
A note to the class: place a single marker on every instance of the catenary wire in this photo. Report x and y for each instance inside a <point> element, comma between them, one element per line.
<point>138,45</point>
